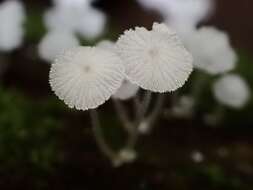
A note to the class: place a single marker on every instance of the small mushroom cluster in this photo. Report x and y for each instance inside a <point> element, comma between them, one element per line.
<point>155,60</point>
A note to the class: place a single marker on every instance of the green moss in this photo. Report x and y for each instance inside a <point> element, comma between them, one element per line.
<point>28,132</point>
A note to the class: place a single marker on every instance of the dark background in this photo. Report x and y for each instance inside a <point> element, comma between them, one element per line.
<point>45,145</point>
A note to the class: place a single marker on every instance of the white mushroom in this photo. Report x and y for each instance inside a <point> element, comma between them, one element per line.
<point>85,77</point>
<point>154,60</point>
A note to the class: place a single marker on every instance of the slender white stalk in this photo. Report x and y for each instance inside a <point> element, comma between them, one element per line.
<point>143,108</point>
<point>136,103</point>
<point>123,116</point>
<point>127,124</point>
<point>144,105</point>
<point>130,126</point>
<point>157,109</point>
<point>155,113</point>
<point>99,137</point>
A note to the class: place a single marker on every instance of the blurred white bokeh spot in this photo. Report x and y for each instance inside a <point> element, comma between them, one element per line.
<point>72,2</point>
<point>231,90</point>
<point>184,107</point>
<point>12,18</point>
<point>197,156</point>
<point>211,49</point>
<point>55,42</point>
<point>189,11</point>
<point>181,11</point>
<point>80,18</point>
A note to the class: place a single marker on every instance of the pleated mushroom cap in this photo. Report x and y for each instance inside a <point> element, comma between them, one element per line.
<point>155,60</point>
<point>85,77</point>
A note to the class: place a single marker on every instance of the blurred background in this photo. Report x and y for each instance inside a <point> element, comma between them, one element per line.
<point>46,145</point>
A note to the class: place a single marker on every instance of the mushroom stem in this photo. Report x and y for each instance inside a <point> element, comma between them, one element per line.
<point>132,140</point>
<point>151,119</point>
<point>123,116</point>
<point>100,139</point>
<point>127,124</point>
<point>144,105</point>
<point>136,104</point>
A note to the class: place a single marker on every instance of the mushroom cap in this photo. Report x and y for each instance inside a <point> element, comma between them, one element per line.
<point>127,89</point>
<point>85,77</point>
<point>155,60</point>
<point>231,90</point>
